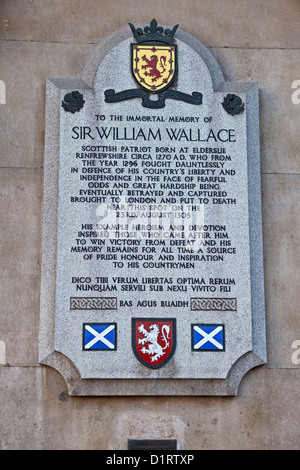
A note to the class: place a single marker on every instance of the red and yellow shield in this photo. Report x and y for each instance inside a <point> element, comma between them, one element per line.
<point>154,66</point>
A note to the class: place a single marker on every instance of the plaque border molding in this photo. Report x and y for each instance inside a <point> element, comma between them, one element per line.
<point>76,385</point>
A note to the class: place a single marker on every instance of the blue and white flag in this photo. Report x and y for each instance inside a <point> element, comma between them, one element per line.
<point>208,337</point>
<point>99,336</point>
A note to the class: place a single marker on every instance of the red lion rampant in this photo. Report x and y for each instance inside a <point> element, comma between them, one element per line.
<point>152,65</point>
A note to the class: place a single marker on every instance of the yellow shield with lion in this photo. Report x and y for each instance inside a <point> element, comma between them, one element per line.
<point>154,66</point>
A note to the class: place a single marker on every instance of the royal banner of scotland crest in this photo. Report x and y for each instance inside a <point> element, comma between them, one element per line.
<point>153,66</point>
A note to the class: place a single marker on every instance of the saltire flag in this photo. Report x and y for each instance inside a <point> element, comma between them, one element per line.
<point>99,336</point>
<point>208,337</point>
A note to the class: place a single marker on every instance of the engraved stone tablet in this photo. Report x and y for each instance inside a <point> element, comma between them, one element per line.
<point>152,249</point>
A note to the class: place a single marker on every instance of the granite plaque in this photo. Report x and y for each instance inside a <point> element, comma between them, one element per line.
<point>152,280</point>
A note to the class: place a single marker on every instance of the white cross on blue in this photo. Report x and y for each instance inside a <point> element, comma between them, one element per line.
<point>208,337</point>
<point>99,336</point>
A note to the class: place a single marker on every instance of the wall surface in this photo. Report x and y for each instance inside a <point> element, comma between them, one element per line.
<point>253,41</point>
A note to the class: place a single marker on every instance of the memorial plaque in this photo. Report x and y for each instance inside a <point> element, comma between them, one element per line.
<point>152,280</point>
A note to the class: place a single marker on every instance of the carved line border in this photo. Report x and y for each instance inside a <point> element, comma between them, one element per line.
<point>93,303</point>
<point>215,304</point>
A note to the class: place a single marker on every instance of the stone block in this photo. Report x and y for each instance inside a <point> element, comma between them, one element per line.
<point>39,415</point>
<point>20,220</point>
<point>239,24</point>
<point>22,124</point>
<point>281,229</point>
<point>275,71</point>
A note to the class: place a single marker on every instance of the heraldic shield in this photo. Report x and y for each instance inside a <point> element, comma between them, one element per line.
<point>154,66</point>
<point>154,340</point>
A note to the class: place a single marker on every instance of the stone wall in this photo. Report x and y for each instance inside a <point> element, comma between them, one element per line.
<point>253,41</point>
